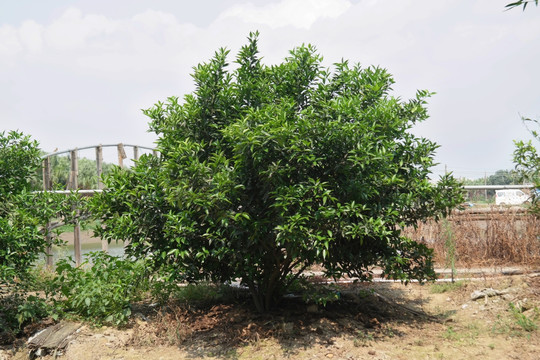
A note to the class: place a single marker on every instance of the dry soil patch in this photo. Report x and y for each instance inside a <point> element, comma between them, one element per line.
<point>375,321</point>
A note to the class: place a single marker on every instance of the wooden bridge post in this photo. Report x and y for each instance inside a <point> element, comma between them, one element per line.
<point>121,155</point>
<point>99,165</point>
<point>47,185</point>
<point>76,228</point>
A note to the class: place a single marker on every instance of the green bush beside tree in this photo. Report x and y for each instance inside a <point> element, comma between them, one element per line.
<point>21,240</point>
<point>23,215</point>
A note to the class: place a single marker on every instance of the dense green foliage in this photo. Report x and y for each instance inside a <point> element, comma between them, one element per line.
<point>101,290</point>
<point>18,309</point>
<point>19,158</point>
<point>22,213</point>
<point>527,162</point>
<point>267,170</point>
<point>526,156</point>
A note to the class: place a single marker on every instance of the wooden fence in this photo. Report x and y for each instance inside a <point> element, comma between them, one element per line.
<point>73,185</point>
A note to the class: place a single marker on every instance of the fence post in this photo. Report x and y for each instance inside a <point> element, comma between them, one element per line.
<point>121,155</point>
<point>135,153</point>
<point>76,228</point>
<point>99,165</point>
<point>485,190</point>
<point>47,185</point>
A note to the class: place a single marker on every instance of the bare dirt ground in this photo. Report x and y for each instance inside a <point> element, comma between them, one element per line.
<point>370,321</point>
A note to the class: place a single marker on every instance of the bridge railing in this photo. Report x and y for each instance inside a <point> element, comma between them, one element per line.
<point>73,185</point>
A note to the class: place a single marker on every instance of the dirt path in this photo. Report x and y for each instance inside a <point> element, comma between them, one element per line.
<point>368,322</point>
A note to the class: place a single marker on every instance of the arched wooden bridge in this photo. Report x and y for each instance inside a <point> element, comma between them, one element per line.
<point>73,185</point>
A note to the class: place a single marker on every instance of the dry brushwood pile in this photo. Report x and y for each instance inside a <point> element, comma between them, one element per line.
<point>369,321</point>
<point>484,236</point>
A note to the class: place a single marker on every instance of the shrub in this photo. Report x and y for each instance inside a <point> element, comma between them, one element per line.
<point>266,170</point>
<point>20,239</point>
<point>23,213</point>
<point>101,290</point>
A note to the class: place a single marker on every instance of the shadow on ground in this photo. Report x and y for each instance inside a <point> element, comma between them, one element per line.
<point>364,311</point>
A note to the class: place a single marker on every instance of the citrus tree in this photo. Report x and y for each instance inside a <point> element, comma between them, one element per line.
<point>267,170</point>
<point>20,240</point>
<point>23,212</point>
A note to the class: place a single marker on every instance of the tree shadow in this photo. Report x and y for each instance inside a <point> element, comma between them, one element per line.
<point>366,312</point>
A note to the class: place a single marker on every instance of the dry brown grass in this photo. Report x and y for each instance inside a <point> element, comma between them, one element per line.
<point>490,236</point>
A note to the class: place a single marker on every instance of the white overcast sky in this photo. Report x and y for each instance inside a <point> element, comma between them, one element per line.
<point>78,73</point>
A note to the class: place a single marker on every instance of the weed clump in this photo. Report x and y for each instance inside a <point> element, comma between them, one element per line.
<point>440,288</point>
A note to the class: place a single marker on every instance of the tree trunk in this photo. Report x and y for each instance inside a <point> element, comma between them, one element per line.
<point>257,299</point>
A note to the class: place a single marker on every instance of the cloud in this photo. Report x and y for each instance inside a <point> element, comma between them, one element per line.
<point>73,30</point>
<point>31,36</point>
<point>153,20</point>
<point>297,13</point>
<point>10,44</point>
<point>88,72</point>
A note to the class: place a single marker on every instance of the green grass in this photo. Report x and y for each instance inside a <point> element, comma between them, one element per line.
<point>516,323</point>
<point>443,287</point>
<point>466,335</point>
<point>523,321</point>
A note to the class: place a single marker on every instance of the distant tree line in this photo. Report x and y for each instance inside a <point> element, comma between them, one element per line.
<point>501,177</point>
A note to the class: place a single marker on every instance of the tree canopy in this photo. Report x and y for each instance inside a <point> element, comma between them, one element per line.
<point>267,170</point>
<point>22,212</point>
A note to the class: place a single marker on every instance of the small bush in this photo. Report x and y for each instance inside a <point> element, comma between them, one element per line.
<point>19,310</point>
<point>101,290</point>
<point>21,305</point>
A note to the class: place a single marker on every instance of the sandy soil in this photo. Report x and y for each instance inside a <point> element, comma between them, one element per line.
<point>376,321</point>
